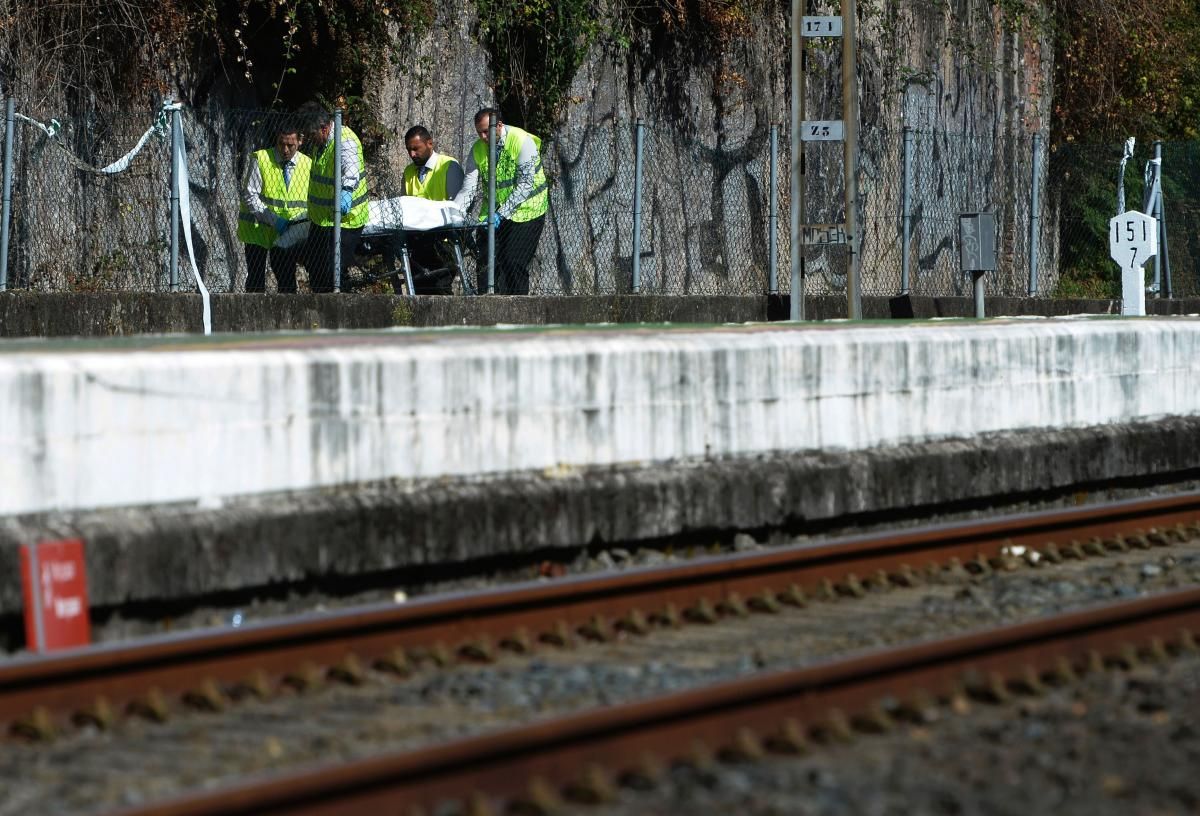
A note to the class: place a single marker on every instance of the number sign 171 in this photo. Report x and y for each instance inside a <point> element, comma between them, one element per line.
<point>822,27</point>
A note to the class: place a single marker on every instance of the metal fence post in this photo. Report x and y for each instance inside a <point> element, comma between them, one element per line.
<point>797,161</point>
<point>176,135</point>
<point>1156,211</point>
<point>773,218</point>
<point>850,151</point>
<point>637,206</point>
<point>1035,214</point>
<point>337,200</point>
<point>1164,250</point>
<point>9,118</point>
<point>491,222</point>
<point>906,214</point>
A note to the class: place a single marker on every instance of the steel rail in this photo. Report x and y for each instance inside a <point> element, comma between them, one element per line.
<point>202,667</point>
<point>745,716</point>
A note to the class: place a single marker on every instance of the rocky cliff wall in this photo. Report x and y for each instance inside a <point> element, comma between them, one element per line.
<point>973,86</point>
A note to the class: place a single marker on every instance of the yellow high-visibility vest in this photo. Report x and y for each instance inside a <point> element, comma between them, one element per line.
<point>321,196</point>
<point>434,186</point>
<point>286,200</point>
<point>506,173</point>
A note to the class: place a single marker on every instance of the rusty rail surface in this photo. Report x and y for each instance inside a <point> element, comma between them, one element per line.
<point>206,668</point>
<point>781,711</point>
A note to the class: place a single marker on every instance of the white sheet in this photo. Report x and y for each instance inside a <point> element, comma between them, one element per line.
<point>402,212</point>
<point>295,236</point>
<point>410,212</point>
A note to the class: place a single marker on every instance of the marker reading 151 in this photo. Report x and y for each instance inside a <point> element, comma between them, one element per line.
<point>1132,239</point>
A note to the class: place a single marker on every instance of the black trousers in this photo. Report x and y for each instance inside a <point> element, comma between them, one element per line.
<point>432,273</point>
<point>318,255</point>
<point>283,264</point>
<point>516,244</point>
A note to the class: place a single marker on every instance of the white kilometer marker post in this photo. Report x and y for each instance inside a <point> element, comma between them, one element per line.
<point>804,28</point>
<point>1132,240</point>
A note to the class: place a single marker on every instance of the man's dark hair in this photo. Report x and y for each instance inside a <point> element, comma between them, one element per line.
<point>419,131</point>
<point>287,127</point>
<point>494,113</point>
<point>313,114</point>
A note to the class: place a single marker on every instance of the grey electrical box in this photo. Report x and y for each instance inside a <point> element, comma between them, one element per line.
<point>977,241</point>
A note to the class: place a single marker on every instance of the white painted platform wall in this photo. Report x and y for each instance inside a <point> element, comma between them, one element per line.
<point>101,429</point>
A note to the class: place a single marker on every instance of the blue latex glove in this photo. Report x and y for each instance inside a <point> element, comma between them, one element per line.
<point>345,201</point>
<point>483,219</point>
<point>281,224</point>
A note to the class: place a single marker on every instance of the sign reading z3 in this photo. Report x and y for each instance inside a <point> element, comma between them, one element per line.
<point>821,131</point>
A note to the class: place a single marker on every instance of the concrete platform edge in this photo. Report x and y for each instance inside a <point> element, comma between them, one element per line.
<point>179,553</point>
<point>107,314</point>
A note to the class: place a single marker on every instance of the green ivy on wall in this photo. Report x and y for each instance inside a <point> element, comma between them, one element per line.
<point>535,48</point>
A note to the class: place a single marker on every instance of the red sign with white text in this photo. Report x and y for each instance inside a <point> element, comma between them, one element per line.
<point>55,588</point>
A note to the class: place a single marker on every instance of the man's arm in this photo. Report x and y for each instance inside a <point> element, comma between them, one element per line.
<point>350,174</point>
<point>528,162</point>
<point>252,194</point>
<point>454,178</point>
<point>465,197</point>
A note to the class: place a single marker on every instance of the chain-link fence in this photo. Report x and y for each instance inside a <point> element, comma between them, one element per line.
<point>704,221</point>
<point>916,183</point>
<point>75,229</point>
<point>1084,185</point>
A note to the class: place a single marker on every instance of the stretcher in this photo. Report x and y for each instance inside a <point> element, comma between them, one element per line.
<point>393,242</point>
<point>391,221</point>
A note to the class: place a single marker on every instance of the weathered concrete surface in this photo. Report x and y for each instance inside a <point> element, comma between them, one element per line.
<point>830,307</point>
<point>148,554</point>
<point>26,314</point>
<point>131,422</point>
<point>29,314</point>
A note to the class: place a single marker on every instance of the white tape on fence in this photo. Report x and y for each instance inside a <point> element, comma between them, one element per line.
<point>179,157</point>
<point>121,164</point>
<point>179,161</point>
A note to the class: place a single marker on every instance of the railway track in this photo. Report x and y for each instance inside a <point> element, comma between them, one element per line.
<point>584,756</point>
<point>42,697</point>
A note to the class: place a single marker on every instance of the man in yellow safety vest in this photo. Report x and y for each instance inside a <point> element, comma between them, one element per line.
<point>435,177</point>
<point>274,194</point>
<point>349,201</point>
<point>431,175</point>
<point>521,198</point>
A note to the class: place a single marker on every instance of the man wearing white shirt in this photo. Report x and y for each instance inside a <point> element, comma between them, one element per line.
<point>522,197</point>
<point>350,201</point>
<point>274,193</point>
<point>435,177</point>
<point>431,175</point>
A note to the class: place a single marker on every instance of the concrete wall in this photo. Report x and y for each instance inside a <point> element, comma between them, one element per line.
<point>150,422</point>
<point>24,314</point>
<point>392,530</point>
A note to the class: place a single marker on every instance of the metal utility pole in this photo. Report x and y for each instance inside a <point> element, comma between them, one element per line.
<point>797,241</point>
<point>338,147</point>
<point>844,130</point>
<point>850,117</point>
<point>6,216</point>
